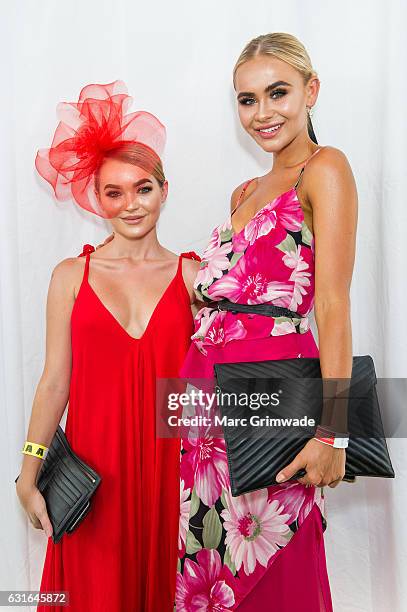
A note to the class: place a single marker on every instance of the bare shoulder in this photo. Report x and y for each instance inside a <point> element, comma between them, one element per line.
<point>328,172</point>
<point>329,159</point>
<point>68,267</point>
<point>67,274</point>
<point>190,268</point>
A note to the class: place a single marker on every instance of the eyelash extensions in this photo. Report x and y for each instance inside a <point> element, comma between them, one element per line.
<point>244,101</point>
<point>115,194</point>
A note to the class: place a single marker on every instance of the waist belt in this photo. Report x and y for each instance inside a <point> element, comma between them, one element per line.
<point>268,310</point>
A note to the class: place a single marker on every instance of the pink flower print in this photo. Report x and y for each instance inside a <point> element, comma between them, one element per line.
<point>219,334</point>
<point>239,242</point>
<point>300,276</point>
<point>206,585</point>
<point>213,244</point>
<point>254,528</point>
<point>203,321</point>
<point>249,282</point>
<point>214,267</point>
<point>205,464</point>
<point>227,226</point>
<point>211,330</point>
<point>289,213</point>
<point>261,224</point>
<point>214,259</point>
<point>185,507</point>
<point>296,498</point>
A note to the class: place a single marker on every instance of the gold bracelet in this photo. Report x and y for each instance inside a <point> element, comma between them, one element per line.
<point>37,450</point>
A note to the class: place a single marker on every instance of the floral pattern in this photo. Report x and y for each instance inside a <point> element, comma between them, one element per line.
<point>271,260</point>
<point>227,543</point>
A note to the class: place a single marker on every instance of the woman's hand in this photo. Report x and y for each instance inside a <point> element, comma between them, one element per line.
<point>325,465</point>
<point>108,239</point>
<point>34,504</point>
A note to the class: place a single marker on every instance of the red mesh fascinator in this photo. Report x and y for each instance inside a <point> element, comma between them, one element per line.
<point>87,131</point>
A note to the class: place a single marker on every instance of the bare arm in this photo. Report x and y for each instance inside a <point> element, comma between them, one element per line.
<point>332,192</point>
<point>52,392</point>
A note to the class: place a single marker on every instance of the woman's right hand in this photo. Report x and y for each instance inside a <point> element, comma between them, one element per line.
<point>34,504</point>
<point>108,239</point>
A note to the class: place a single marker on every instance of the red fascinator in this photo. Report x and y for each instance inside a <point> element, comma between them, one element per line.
<point>87,130</point>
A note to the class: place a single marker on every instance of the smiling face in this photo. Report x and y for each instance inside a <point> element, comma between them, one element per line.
<point>272,101</point>
<point>130,196</point>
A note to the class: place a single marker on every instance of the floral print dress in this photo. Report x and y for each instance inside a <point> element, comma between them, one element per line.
<point>226,543</point>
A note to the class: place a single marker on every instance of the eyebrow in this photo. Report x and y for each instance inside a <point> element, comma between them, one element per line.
<point>267,90</point>
<point>144,180</point>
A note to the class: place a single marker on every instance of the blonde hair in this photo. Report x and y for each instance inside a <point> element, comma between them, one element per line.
<point>285,47</point>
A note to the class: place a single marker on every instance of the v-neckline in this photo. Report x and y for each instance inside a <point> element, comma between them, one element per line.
<point>236,233</point>
<point>117,322</point>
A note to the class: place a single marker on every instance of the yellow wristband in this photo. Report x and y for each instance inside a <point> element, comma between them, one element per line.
<point>37,450</point>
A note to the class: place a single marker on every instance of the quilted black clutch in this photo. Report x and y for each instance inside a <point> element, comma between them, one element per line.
<point>67,484</point>
<point>255,459</point>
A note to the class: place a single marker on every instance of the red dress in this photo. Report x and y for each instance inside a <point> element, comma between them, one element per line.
<point>123,556</point>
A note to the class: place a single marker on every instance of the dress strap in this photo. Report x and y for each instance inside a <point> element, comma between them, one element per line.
<point>302,169</point>
<point>190,255</point>
<point>87,250</point>
<point>245,186</point>
<point>86,271</point>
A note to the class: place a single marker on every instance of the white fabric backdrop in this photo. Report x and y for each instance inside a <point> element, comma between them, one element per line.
<point>177,59</point>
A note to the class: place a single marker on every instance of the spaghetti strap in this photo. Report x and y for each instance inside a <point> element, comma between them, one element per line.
<point>245,186</point>
<point>86,271</point>
<point>86,251</point>
<point>305,163</point>
<point>299,178</point>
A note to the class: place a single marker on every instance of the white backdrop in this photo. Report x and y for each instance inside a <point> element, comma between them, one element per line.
<point>177,59</point>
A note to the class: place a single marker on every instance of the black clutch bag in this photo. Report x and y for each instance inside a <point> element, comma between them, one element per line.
<point>256,458</point>
<point>67,484</point>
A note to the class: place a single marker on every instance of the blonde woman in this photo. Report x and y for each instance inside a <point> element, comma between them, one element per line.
<point>289,241</point>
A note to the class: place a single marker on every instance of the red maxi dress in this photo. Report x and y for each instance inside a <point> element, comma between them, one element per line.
<point>123,556</point>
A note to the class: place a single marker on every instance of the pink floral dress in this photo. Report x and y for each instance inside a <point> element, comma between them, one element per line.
<point>227,544</point>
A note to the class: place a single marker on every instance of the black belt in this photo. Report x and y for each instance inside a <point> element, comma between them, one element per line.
<point>268,310</point>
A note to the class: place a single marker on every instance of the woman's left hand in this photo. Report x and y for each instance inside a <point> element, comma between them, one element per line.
<point>325,465</point>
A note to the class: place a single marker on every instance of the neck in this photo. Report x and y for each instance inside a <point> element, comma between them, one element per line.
<point>132,247</point>
<point>295,153</point>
